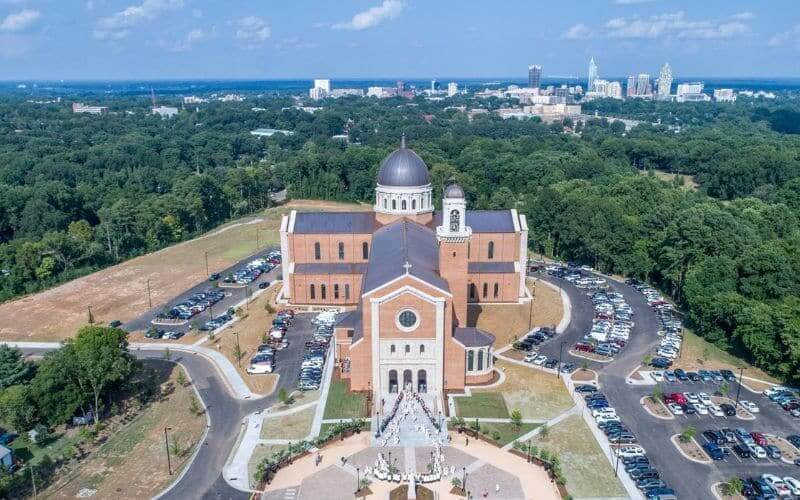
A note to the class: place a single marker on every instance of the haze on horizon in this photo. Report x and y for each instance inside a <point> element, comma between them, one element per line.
<point>201,39</point>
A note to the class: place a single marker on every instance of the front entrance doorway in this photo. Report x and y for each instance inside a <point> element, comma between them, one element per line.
<point>392,381</point>
<point>407,382</point>
<point>422,381</point>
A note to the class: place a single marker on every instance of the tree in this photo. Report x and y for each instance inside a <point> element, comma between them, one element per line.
<point>656,394</point>
<point>732,487</point>
<point>17,408</point>
<point>167,354</point>
<point>516,418</point>
<point>544,432</point>
<point>283,396</point>
<point>99,361</point>
<point>194,406</point>
<point>687,434</point>
<point>181,378</point>
<point>14,369</point>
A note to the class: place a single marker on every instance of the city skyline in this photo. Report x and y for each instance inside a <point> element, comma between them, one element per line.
<point>197,39</point>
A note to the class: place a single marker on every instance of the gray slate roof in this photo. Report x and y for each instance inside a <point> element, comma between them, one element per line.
<point>490,267</point>
<point>485,221</point>
<point>399,243</point>
<point>473,337</point>
<point>352,320</point>
<point>330,268</point>
<point>335,222</point>
<point>403,168</point>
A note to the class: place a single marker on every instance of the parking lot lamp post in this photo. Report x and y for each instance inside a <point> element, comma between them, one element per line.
<point>616,467</point>
<point>464,481</point>
<point>206,256</point>
<point>741,375</point>
<point>238,350</point>
<point>149,299</point>
<point>560,354</point>
<point>166,444</point>
<point>358,479</point>
<point>529,451</point>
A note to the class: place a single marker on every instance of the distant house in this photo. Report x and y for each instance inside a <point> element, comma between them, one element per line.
<point>165,111</point>
<point>6,457</point>
<point>269,132</point>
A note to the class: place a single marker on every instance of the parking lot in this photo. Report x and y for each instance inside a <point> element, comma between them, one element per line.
<point>289,359</point>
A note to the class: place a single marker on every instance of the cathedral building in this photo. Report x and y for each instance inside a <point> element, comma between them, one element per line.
<point>405,273</point>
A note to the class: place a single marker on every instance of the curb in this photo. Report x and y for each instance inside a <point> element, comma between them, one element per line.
<point>641,401</point>
<point>687,457</point>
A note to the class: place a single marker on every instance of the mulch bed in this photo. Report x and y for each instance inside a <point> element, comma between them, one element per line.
<point>584,376</point>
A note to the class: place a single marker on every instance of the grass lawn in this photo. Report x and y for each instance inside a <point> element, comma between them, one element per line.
<point>587,470</point>
<point>132,462</point>
<point>259,453</point>
<point>508,431</point>
<point>342,403</point>
<point>509,321</point>
<point>536,394</point>
<point>700,354</point>
<point>292,426</point>
<point>482,405</point>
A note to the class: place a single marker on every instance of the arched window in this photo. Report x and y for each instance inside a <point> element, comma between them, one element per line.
<point>341,251</point>
<point>347,291</point>
<point>408,349</point>
<point>336,290</point>
<point>491,249</point>
<point>414,204</point>
<point>455,221</point>
<point>473,291</point>
<point>403,205</point>
<point>384,203</point>
<point>496,290</point>
<point>317,251</point>
<point>485,290</point>
<point>480,359</point>
<point>469,249</point>
<point>392,349</point>
<point>470,360</point>
<point>322,291</point>
<point>312,292</point>
<point>365,250</point>
<point>394,204</point>
<point>422,349</point>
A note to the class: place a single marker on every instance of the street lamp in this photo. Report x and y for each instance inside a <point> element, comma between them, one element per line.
<point>464,479</point>
<point>358,480</point>
<point>238,350</point>
<point>616,467</point>
<point>560,354</point>
<point>741,375</point>
<point>166,444</point>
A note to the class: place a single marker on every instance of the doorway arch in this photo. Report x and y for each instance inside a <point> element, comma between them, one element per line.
<point>422,381</point>
<point>392,381</point>
<point>407,379</point>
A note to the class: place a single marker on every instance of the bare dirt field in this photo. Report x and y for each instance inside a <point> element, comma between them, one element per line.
<point>689,182</point>
<point>509,321</point>
<point>120,292</point>
<point>132,463</point>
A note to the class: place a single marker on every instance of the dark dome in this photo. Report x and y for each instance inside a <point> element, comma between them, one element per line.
<point>453,190</point>
<point>403,168</point>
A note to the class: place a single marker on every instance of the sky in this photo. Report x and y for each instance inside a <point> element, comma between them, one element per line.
<point>339,39</point>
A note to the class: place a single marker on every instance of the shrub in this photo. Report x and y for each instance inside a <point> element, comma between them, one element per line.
<point>687,434</point>
<point>496,435</point>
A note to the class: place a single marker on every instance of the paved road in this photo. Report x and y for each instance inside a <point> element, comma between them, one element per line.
<point>204,477</point>
<point>234,295</point>
<point>689,479</point>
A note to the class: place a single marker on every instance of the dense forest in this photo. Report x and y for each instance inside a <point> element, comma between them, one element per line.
<point>82,192</point>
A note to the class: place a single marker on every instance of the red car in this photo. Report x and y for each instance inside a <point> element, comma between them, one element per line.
<point>759,438</point>
<point>584,347</point>
<point>677,397</point>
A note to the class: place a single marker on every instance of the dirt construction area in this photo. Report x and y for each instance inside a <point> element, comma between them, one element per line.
<point>120,292</point>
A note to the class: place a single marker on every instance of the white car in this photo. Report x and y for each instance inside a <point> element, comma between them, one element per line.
<point>749,406</point>
<point>793,485</point>
<point>773,390</point>
<point>630,451</point>
<point>540,360</point>
<point>700,408</point>
<point>658,376</point>
<point>705,399</point>
<point>777,484</point>
<point>715,410</point>
<point>607,418</point>
<point>675,408</point>
<point>757,451</point>
<point>529,358</point>
<point>691,397</point>
<point>610,412</point>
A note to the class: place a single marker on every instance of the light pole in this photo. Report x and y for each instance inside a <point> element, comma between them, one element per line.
<point>149,299</point>
<point>739,388</point>
<point>358,480</point>
<point>238,350</point>
<point>616,467</point>
<point>166,443</point>
<point>560,354</point>
<point>206,257</point>
<point>464,484</point>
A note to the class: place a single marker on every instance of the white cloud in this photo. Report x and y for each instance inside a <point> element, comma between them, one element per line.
<point>252,31</point>
<point>670,25</point>
<point>295,43</point>
<point>20,21</point>
<point>577,32</point>
<point>781,39</point>
<point>743,16</point>
<point>372,17</point>
<point>119,24</point>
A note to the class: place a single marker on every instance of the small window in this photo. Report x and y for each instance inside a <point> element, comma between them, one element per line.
<point>422,349</point>
<point>407,319</point>
<point>312,292</point>
<point>469,249</point>
<point>496,290</point>
<point>408,349</point>
<point>480,360</point>
<point>470,360</point>
<point>392,349</point>
<point>455,221</point>
<point>394,204</point>
<point>322,291</point>
<point>341,251</point>
<point>347,291</point>
<point>473,291</point>
<point>485,290</point>
<point>317,251</point>
<point>365,250</point>
<point>414,204</point>
<point>384,203</point>
<point>491,249</point>
<point>336,290</point>
<point>403,205</point>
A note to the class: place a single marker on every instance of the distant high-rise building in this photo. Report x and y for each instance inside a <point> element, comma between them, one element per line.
<point>643,84</point>
<point>665,81</point>
<point>401,86</point>
<point>630,90</point>
<point>434,85</point>
<point>614,90</point>
<point>452,89</point>
<point>534,76</point>
<point>592,74</point>
<point>724,95</point>
<point>323,84</point>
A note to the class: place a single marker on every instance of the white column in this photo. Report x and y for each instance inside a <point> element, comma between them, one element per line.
<point>438,375</point>
<point>376,355</point>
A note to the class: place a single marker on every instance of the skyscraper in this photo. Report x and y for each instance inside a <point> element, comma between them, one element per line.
<point>665,81</point>
<point>630,90</point>
<point>452,89</point>
<point>534,76</point>
<point>643,84</point>
<point>592,75</point>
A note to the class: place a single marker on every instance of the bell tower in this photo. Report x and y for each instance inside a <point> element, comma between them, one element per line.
<point>453,236</point>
